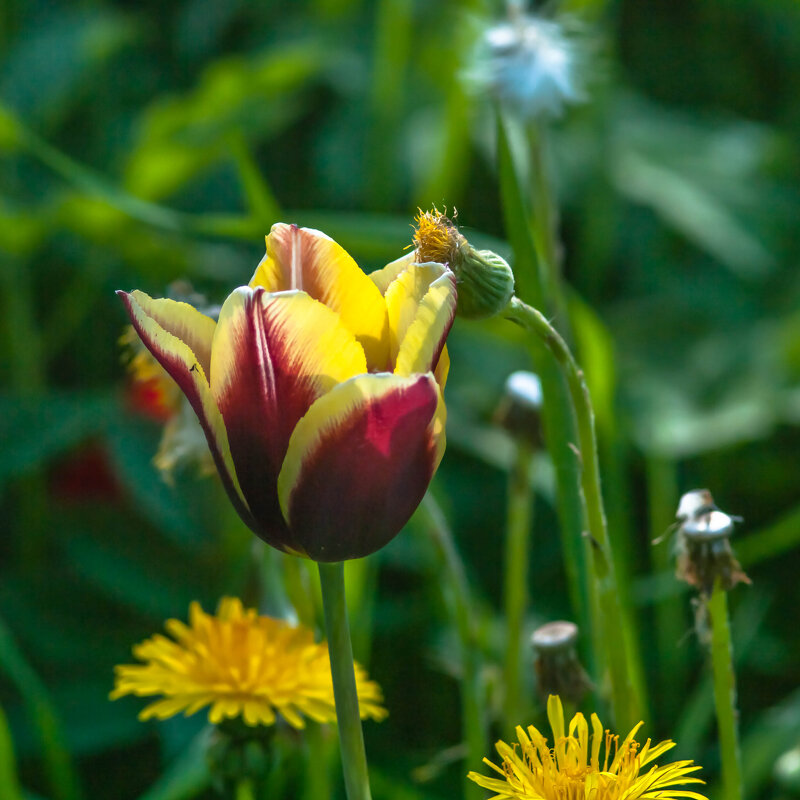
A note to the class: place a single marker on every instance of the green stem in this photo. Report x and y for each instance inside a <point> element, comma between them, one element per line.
<point>317,775</point>
<point>472,717</point>
<point>544,225</point>
<point>559,427</point>
<point>351,736</point>
<point>612,621</point>
<point>518,528</point>
<point>725,693</point>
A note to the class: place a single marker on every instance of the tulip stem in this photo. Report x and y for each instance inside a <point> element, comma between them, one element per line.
<point>613,626</point>
<point>518,528</point>
<point>351,736</point>
<point>725,693</point>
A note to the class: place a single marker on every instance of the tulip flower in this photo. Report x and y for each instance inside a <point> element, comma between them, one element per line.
<point>319,390</point>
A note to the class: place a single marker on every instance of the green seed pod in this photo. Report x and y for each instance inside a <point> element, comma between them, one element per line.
<point>485,282</point>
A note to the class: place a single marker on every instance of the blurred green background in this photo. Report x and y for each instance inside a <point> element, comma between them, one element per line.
<point>145,142</point>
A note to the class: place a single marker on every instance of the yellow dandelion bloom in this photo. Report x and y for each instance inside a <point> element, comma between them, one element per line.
<point>573,767</point>
<point>239,664</point>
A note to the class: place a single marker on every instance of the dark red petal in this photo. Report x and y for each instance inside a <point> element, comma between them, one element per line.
<point>360,463</point>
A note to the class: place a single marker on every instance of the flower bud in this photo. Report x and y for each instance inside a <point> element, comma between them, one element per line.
<point>485,282</point>
<point>484,279</point>
<point>558,669</point>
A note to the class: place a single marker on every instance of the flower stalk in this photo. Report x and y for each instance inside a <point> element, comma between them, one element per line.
<point>351,735</point>
<point>725,692</point>
<point>557,422</point>
<point>612,621</point>
<point>518,527</point>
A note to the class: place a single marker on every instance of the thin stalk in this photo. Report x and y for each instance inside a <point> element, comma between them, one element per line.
<point>317,773</point>
<point>725,693</point>
<point>559,427</point>
<point>518,534</point>
<point>613,626</point>
<point>544,225</point>
<point>351,736</point>
<point>473,719</point>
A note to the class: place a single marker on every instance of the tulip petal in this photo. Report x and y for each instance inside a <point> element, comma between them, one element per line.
<point>273,355</point>
<point>359,463</point>
<point>383,277</point>
<point>421,303</point>
<point>179,337</point>
<point>310,261</point>
<point>442,368</point>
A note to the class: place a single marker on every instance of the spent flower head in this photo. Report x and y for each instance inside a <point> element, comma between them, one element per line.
<point>530,65</point>
<point>484,279</point>
<point>558,669</point>
<point>704,553</point>
<point>584,765</point>
<point>520,408</point>
<point>241,665</point>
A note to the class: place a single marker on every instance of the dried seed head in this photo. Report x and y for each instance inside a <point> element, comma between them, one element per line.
<point>694,503</point>
<point>531,65</point>
<point>704,550</point>
<point>520,408</point>
<point>558,669</point>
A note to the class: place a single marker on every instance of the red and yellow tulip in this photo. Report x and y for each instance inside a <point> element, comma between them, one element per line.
<point>319,390</point>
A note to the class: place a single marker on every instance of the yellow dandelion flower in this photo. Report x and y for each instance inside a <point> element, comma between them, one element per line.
<point>436,237</point>
<point>573,767</point>
<point>239,664</point>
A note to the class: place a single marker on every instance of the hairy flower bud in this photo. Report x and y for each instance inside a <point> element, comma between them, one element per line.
<point>485,283</point>
<point>484,279</point>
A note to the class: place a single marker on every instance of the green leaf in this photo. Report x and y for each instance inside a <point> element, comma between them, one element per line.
<point>771,541</point>
<point>9,783</point>
<point>60,771</point>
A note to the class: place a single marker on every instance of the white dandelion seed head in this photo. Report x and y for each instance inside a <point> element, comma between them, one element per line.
<point>530,65</point>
